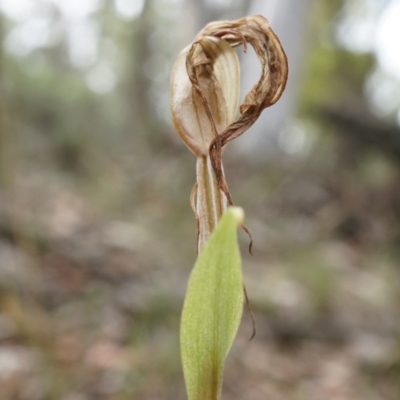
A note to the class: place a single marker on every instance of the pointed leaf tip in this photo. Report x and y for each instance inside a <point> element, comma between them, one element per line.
<point>238,214</point>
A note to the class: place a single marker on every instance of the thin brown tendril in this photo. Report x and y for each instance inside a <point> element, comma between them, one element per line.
<point>253,321</point>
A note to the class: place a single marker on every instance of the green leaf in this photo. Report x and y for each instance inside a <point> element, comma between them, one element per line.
<point>212,309</point>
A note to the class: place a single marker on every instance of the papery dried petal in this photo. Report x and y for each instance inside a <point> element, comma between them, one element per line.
<point>205,101</point>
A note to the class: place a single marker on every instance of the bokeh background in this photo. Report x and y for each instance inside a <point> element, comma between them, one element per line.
<point>97,237</point>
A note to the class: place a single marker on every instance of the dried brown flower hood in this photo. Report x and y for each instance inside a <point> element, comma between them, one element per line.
<point>204,95</point>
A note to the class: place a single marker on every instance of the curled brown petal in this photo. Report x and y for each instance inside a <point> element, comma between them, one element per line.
<point>255,30</point>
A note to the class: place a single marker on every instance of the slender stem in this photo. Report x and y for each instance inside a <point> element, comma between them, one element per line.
<point>211,201</point>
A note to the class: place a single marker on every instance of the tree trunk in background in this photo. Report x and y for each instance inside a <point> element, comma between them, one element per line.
<point>7,149</point>
<point>288,19</point>
<point>144,120</point>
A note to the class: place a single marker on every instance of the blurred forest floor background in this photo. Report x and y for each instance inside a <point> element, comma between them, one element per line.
<point>97,237</point>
